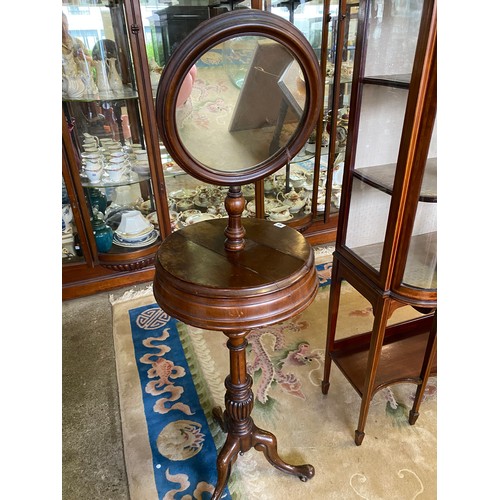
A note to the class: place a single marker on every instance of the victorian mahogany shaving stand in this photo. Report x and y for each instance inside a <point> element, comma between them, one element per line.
<point>218,275</point>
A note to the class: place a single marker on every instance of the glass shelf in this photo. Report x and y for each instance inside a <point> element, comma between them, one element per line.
<point>127,93</point>
<point>421,266</point>
<point>127,180</point>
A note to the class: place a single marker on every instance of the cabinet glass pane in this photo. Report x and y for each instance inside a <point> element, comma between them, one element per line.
<point>421,263</point>
<point>100,101</point>
<point>390,51</point>
<point>392,37</point>
<point>71,251</point>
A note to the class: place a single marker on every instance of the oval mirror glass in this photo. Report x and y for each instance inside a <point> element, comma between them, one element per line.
<point>242,101</point>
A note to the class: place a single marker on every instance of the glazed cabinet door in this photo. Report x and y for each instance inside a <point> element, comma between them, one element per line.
<point>107,155</point>
<point>387,107</point>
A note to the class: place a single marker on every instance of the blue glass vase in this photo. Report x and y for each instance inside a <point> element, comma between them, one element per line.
<point>103,235</point>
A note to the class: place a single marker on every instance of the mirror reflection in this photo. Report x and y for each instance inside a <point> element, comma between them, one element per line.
<point>241,102</point>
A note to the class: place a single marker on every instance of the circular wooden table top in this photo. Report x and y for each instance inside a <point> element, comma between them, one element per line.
<point>202,284</point>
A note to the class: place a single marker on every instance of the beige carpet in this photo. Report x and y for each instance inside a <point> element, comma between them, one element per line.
<point>396,461</point>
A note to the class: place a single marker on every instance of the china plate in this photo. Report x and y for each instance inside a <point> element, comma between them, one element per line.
<point>133,236</point>
<point>151,239</point>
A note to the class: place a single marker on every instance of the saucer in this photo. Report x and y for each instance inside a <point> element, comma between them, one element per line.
<point>152,238</point>
<point>183,193</point>
<point>281,219</point>
<point>134,239</point>
<point>193,219</point>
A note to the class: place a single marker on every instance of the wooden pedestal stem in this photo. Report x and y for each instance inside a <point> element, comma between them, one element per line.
<point>242,433</point>
<point>235,232</point>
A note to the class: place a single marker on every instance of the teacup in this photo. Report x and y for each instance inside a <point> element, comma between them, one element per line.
<point>117,162</point>
<point>297,179</point>
<point>93,157</point>
<point>190,212</point>
<point>115,174</point>
<point>93,162</point>
<point>141,167</point>
<point>94,175</point>
<point>268,184</point>
<point>278,213</point>
<point>141,154</point>
<point>118,154</point>
<point>278,216</point>
<point>111,148</point>
<point>185,204</point>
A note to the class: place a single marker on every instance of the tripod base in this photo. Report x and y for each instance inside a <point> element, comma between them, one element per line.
<point>257,438</point>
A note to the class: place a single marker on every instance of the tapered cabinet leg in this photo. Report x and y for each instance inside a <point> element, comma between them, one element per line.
<point>333,312</point>
<point>430,353</point>
<point>381,315</point>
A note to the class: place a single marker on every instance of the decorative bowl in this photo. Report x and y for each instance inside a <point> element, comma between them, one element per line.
<point>133,223</point>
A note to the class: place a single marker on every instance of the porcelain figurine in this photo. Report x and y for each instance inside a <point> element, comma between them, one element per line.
<point>115,81</point>
<point>102,77</point>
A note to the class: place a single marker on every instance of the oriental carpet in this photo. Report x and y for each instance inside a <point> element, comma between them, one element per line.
<point>171,375</point>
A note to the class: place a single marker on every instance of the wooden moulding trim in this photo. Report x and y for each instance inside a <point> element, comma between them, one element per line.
<point>207,35</point>
<point>237,311</point>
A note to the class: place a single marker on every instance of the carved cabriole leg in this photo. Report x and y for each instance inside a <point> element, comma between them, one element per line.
<point>242,433</point>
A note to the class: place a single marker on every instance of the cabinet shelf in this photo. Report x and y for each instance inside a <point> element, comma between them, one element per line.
<point>396,81</point>
<point>400,360</point>
<point>382,177</point>
<point>129,252</point>
<point>420,266</point>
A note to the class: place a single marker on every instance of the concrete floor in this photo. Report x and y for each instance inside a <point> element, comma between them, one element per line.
<point>93,464</point>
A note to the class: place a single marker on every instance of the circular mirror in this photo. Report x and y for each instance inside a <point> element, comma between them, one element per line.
<point>239,97</point>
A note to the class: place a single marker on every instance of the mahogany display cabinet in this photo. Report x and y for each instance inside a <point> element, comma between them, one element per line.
<point>387,235</point>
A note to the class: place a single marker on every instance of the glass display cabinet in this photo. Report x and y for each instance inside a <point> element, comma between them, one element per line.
<point>106,133</point>
<point>386,239</point>
<point>113,54</point>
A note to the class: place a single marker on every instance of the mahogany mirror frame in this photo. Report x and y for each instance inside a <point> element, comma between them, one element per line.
<point>207,35</point>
